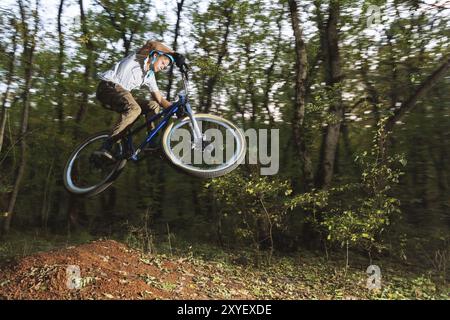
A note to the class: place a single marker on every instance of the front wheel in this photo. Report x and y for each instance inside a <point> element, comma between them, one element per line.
<point>84,175</point>
<point>221,149</point>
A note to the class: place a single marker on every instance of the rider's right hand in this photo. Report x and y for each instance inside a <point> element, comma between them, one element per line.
<point>180,113</point>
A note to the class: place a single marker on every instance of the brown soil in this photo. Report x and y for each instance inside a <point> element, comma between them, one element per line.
<point>112,270</point>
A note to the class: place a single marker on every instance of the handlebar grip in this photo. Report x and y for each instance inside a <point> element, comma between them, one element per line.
<point>184,69</point>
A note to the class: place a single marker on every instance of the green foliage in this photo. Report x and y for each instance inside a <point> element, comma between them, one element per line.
<point>318,109</point>
<point>255,205</point>
<point>357,214</point>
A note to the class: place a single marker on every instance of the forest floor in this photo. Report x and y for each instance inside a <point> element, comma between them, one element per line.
<point>112,270</point>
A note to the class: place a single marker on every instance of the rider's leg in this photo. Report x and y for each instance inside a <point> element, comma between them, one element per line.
<point>150,108</point>
<point>120,101</point>
<point>129,113</point>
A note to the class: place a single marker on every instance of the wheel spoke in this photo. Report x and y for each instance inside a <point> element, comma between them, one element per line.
<point>223,145</point>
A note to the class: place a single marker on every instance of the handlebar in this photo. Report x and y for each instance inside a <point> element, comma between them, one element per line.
<point>184,76</point>
<point>183,96</point>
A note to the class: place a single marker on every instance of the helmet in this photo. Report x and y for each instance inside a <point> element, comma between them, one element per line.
<point>150,59</point>
<point>151,46</point>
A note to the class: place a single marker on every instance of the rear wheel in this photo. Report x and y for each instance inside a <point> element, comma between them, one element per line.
<point>86,174</point>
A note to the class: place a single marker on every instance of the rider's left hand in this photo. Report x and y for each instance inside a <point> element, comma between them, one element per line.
<point>180,60</point>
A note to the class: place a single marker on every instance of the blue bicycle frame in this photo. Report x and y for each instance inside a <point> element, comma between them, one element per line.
<point>182,103</point>
<point>166,113</point>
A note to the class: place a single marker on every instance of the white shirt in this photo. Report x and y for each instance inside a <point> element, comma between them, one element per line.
<point>129,73</point>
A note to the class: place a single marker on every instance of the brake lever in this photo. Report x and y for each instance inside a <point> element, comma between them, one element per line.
<point>184,69</point>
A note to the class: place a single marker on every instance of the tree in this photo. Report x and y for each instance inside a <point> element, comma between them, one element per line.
<point>88,64</point>
<point>61,56</point>
<point>420,91</point>
<point>174,46</point>
<point>127,18</point>
<point>213,31</point>
<point>333,79</point>
<point>299,109</point>
<point>9,77</point>
<point>271,69</point>
<point>29,37</point>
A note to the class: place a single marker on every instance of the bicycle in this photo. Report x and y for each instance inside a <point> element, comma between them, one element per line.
<point>84,175</point>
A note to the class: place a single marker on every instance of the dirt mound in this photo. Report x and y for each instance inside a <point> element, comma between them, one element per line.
<point>111,270</point>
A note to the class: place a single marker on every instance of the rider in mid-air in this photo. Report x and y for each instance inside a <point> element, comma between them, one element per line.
<point>88,173</point>
<point>132,72</point>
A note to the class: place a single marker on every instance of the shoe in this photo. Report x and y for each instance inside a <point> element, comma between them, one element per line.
<point>105,151</point>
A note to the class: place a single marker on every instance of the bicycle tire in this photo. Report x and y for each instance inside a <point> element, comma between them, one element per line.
<point>207,173</point>
<point>96,189</point>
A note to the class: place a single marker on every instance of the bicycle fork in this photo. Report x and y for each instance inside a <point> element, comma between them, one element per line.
<point>198,137</point>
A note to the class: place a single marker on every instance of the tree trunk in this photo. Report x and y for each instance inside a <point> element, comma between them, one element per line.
<point>251,90</point>
<point>87,66</point>
<point>333,80</point>
<point>174,46</point>
<point>271,69</point>
<point>211,83</point>
<point>46,201</point>
<point>74,205</point>
<point>371,91</point>
<point>394,87</point>
<point>73,202</point>
<point>29,44</point>
<point>301,67</point>
<point>3,116</point>
<point>60,88</point>
<point>9,76</point>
